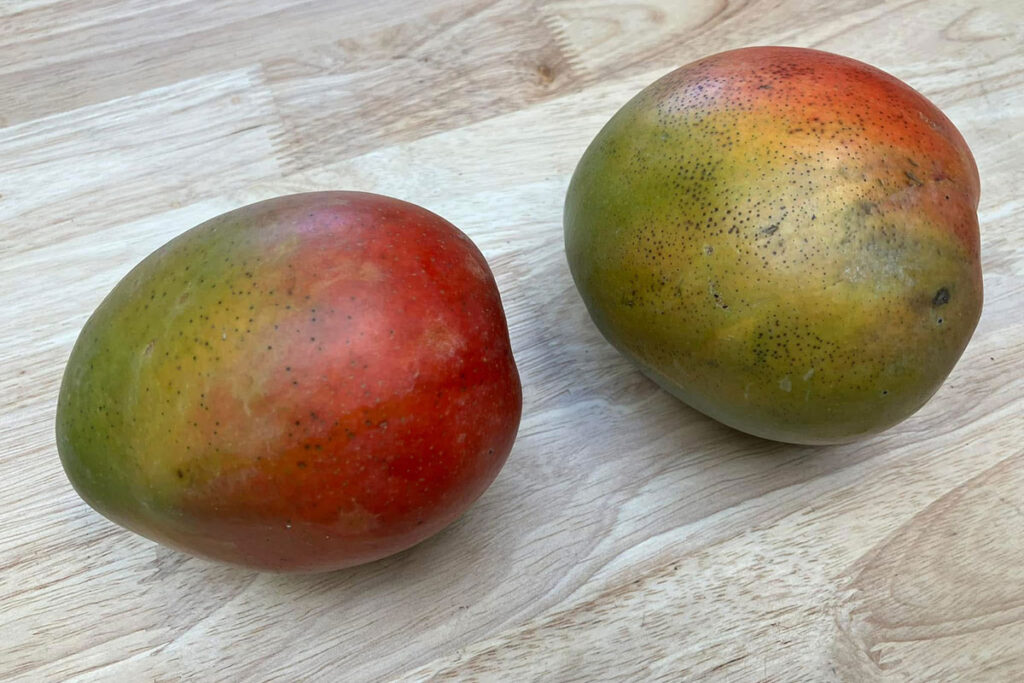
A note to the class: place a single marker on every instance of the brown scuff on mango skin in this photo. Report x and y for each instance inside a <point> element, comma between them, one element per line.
<point>785,239</point>
<point>302,384</point>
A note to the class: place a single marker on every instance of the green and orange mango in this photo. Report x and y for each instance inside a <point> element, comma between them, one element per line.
<point>785,239</point>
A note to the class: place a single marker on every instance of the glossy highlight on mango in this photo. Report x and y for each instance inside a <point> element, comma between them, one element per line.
<point>303,384</point>
<point>785,239</point>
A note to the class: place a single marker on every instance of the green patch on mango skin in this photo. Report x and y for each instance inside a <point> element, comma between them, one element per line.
<point>784,270</point>
<point>143,363</point>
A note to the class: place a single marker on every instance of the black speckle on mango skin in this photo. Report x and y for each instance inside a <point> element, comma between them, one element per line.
<point>770,233</point>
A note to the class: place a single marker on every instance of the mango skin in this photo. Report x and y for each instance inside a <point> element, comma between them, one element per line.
<point>785,239</point>
<point>303,384</point>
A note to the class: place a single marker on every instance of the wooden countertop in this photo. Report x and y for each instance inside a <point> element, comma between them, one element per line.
<point>628,537</point>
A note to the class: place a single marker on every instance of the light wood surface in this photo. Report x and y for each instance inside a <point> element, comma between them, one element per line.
<point>628,537</point>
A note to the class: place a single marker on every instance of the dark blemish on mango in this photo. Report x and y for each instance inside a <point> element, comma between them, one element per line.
<point>913,178</point>
<point>941,298</point>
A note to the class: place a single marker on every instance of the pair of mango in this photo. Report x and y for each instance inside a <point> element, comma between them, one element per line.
<point>785,239</point>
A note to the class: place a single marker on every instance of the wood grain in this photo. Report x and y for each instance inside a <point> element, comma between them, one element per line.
<point>628,537</point>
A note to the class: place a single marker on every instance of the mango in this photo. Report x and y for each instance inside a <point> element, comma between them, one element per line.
<point>302,384</point>
<point>785,239</point>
